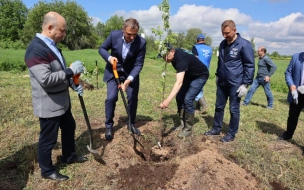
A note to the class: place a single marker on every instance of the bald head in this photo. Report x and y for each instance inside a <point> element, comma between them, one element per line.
<point>262,51</point>
<point>54,26</point>
<point>49,18</point>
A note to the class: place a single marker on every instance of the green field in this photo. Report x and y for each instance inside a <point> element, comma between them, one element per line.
<point>255,148</point>
<point>13,60</point>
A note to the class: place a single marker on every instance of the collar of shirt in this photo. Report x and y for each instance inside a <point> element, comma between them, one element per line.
<point>125,48</point>
<point>51,44</point>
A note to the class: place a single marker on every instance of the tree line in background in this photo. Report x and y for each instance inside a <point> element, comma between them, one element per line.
<point>19,24</point>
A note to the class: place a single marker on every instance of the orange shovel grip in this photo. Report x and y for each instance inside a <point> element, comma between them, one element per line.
<point>76,78</point>
<point>115,69</point>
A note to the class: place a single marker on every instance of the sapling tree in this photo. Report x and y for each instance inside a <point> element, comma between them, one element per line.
<point>164,35</point>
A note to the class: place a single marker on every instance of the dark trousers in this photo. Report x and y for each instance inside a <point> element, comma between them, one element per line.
<point>222,94</point>
<point>186,95</point>
<point>293,116</point>
<point>48,138</point>
<point>112,97</point>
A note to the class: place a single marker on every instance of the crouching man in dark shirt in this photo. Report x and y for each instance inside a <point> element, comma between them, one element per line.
<point>191,76</point>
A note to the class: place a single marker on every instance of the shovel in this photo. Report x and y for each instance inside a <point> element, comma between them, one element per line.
<point>90,148</point>
<point>126,106</point>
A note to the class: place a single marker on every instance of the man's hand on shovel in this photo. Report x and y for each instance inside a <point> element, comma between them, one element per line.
<point>78,88</point>
<point>120,89</point>
<point>125,85</point>
<point>113,60</point>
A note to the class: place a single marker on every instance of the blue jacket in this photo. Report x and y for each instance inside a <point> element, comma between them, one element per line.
<point>293,73</point>
<point>133,62</point>
<point>204,53</point>
<point>238,66</point>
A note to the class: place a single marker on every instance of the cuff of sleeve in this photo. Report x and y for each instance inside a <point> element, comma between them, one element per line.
<point>109,58</point>
<point>130,78</point>
<point>69,73</point>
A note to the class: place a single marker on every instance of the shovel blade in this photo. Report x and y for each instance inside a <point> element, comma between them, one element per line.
<point>92,150</point>
<point>136,140</point>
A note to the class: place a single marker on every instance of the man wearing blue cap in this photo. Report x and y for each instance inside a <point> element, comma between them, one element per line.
<point>191,76</point>
<point>204,53</point>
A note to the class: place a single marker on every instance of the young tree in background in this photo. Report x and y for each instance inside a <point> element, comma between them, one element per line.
<point>113,23</point>
<point>13,15</point>
<point>79,33</point>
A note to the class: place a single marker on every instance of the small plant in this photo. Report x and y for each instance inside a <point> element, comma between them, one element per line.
<point>84,75</point>
<point>159,32</point>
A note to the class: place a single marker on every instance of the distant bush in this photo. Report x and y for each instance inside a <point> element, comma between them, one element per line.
<point>12,65</point>
<point>7,44</point>
<point>288,58</point>
<point>62,47</point>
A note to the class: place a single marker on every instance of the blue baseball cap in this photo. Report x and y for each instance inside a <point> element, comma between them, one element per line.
<point>200,36</point>
<point>168,46</point>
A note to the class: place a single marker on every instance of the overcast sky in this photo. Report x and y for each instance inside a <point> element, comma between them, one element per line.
<point>276,24</point>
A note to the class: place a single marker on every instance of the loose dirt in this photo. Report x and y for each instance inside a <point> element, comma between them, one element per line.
<point>192,163</point>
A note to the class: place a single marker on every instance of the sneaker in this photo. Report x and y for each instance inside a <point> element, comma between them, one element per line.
<point>243,104</point>
<point>227,138</point>
<point>212,132</point>
<point>268,107</point>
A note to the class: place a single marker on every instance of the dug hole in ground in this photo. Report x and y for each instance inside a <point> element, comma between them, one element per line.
<point>193,163</point>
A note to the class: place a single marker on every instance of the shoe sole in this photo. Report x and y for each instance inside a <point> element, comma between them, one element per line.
<point>109,139</point>
<point>212,135</point>
<point>226,141</point>
<point>63,179</point>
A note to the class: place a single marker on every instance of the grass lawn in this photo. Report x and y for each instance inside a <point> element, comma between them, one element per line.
<point>255,148</point>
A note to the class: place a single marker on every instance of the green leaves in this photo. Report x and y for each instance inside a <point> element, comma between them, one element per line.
<point>79,25</point>
<point>13,15</point>
<point>113,23</point>
<point>160,31</point>
<point>165,8</point>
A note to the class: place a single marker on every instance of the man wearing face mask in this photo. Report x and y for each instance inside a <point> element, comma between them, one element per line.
<point>128,49</point>
<point>234,73</point>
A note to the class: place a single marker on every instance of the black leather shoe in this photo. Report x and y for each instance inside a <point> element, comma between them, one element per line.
<point>56,176</point>
<point>135,130</point>
<point>283,137</point>
<point>75,159</point>
<point>227,138</point>
<point>109,134</point>
<point>212,132</point>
